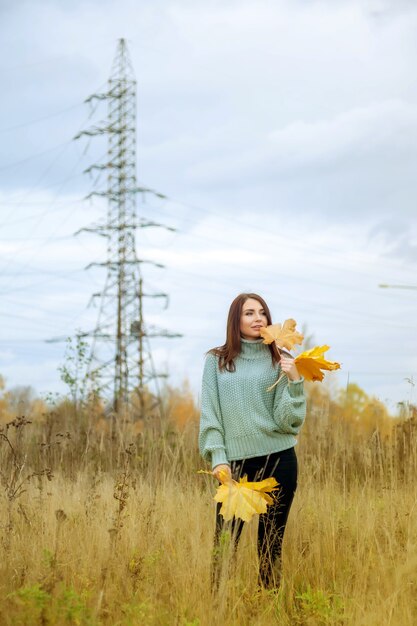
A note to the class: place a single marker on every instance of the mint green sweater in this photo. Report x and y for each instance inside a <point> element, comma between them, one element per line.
<point>239,417</point>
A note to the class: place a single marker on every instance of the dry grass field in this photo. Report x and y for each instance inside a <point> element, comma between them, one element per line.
<point>107,522</point>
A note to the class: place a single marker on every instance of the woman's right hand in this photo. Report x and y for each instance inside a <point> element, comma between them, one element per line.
<point>223,473</point>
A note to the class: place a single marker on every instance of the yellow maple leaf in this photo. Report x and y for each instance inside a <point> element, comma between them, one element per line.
<point>285,335</point>
<point>311,362</point>
<point>245,499</point>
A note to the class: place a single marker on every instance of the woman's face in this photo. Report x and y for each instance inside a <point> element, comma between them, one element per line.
<point>252,319</point>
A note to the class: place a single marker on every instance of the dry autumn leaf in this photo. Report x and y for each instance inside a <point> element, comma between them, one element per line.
<point>244,499</point>
<point>311,362</point>
<point>285,335</point>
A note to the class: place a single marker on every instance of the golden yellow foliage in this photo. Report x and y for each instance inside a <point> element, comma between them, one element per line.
<point>182,408</point>
<point>243,499</point>
<point>311,363</point>
<point>285,335</point>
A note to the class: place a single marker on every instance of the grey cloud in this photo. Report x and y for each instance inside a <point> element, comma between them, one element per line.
<point>357,164</point>
<point>404,249</point>
<point>199,100</point>
<point>386,128</point>
<point>398,237</point>
<point>266,110</point>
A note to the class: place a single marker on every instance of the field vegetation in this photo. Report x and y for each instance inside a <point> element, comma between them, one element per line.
<point>104,519</point>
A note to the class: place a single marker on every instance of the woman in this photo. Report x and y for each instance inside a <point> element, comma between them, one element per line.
<point>244,429</point>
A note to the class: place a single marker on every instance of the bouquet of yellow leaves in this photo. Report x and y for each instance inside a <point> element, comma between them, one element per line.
<point>310,363</point>
<point>244,499</point>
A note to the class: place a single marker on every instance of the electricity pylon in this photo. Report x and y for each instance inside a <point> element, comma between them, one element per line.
<point>121,361</point>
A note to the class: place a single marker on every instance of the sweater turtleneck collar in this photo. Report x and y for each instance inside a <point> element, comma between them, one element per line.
<point>252,349</point>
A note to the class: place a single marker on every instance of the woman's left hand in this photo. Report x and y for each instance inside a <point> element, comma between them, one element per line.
<point>289,368</point>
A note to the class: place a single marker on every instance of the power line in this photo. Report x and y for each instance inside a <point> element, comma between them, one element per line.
<point>44,213</point>
<point>44,173</point>
<point>39,119</point>
<point>316,249</point>
<point>32,156</point>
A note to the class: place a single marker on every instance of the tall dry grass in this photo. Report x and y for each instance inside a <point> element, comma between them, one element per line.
<point>105,521</point>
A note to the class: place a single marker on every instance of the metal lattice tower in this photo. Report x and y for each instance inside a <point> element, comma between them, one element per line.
<point>121,360</point>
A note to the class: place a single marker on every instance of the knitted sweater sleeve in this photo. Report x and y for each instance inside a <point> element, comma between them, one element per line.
<point>289,406</point>
<point>211,435</point>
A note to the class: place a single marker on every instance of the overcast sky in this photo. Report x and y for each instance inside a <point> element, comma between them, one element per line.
<point>284,135</point>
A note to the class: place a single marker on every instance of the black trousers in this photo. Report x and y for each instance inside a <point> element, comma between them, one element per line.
<point>284,467</point>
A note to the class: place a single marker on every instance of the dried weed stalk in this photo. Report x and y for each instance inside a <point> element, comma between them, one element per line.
<point>13,478</point>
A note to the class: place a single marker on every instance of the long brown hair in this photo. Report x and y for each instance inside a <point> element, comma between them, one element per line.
<point>231,348</point>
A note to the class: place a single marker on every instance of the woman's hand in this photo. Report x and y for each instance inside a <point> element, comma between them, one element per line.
<point>289,368</point>
<point>223,473</point>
